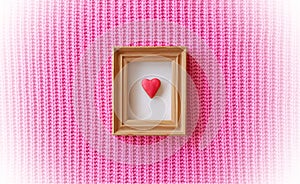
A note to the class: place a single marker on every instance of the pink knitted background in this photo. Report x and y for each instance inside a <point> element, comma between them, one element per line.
<point>50,53</point>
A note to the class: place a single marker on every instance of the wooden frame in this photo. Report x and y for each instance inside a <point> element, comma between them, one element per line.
<point>124,126</point>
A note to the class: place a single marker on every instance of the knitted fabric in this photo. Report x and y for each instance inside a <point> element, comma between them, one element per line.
<point>56,91</point>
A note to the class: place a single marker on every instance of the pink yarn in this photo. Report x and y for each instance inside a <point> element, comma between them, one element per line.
<point>43,44</point>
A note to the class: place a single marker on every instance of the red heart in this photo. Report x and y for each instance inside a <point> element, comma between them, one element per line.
<point>151,86</point>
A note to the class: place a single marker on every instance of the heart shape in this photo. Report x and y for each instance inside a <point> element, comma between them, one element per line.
<point>151,86</point>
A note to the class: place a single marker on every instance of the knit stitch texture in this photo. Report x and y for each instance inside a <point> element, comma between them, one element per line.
<point>56,91</point>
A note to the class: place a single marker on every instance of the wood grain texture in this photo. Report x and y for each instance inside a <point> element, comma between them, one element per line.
<point>124,55</point>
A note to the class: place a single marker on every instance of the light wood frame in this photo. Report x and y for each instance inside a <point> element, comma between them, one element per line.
<point>124,55</point>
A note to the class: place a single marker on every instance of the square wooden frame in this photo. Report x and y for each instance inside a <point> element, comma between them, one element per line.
<point>124,126</point>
